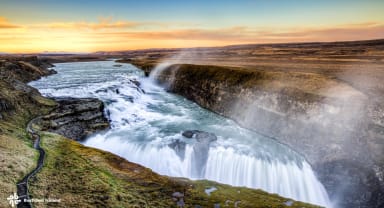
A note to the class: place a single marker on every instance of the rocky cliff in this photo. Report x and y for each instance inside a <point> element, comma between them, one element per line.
<point>336,127</point>
<point>75,118</point>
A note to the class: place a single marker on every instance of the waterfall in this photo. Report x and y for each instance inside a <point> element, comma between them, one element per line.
<point>286,179</point>
<point>147,124</point>
<point>225,165</point>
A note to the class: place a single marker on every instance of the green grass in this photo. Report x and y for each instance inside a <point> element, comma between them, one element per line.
<point>17,156</point>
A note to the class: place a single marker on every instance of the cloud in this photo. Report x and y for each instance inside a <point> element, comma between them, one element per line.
<point>4,24</point>
<point>248,34</point>
<point>102,23</point>
<point>108,34</point>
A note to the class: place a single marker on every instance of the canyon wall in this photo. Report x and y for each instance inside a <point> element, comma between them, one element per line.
<point>336,127</point>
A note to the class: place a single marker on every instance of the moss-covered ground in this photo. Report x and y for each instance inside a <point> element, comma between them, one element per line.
<point>17,156</point>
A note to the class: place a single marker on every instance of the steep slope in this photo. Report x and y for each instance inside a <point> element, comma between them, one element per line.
<point>18,104</point>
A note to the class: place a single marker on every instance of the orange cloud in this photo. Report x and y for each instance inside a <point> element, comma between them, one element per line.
<point>103,23</point>
<point>245,34</point>
<point>4,24</point>
<point>107,34</point>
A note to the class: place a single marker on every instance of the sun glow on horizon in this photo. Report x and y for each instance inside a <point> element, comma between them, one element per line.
<point>201,24</point>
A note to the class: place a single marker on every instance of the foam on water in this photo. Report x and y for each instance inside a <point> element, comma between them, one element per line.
<point>147,122</point>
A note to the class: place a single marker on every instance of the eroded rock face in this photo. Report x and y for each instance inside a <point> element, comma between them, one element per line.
<point>76,118</point>
<point>338,129</point>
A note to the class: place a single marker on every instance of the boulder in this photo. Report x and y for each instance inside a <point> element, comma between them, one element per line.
<point>201,136</point>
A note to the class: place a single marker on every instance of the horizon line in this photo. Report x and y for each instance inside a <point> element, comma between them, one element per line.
<point>182,48</point>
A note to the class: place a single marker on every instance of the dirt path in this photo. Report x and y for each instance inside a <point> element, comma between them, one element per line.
<point>22,186</point>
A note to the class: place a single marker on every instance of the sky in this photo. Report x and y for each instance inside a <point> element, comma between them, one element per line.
<point>102,25</point>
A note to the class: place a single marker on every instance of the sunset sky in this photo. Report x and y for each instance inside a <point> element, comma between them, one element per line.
<point>91,25</point>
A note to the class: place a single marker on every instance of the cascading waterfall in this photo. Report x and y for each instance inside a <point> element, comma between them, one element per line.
<point>147,123</point>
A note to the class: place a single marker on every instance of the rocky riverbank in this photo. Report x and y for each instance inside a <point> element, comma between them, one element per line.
<point>75,118</point>
<point>336,124</point>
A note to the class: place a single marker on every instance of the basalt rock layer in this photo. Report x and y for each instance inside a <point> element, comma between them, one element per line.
<point>76,118</point>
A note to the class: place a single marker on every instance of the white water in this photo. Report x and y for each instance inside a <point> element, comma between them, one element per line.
<point>144,125</point>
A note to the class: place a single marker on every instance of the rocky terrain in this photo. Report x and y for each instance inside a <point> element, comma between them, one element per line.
<point>75,118</point>
<point>77,176</point>
<point>324,100</point>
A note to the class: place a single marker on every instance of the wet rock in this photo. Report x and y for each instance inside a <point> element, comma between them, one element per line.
<point>130,98</point>
<point>201,136</point>
<point>137,83</point>
<point>117,65</point>
<point>76,118</point>
<point>189,133</point>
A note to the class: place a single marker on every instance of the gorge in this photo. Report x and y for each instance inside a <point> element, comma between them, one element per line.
<point>147,125</point>
<point>69,168</point>
<point>329,110</point>
<point>311,131</point>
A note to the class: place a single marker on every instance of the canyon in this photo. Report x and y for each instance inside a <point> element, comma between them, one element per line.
<point>84,176</point>
<point>322,100</point>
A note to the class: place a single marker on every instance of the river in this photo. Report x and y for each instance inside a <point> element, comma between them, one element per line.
<point>147,124</point>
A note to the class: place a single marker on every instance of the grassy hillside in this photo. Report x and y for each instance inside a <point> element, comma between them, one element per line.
<point>17,156</point>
